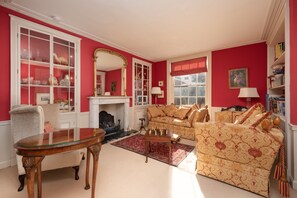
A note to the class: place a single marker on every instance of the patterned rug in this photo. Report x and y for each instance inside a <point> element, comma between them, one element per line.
<point>159,151</point>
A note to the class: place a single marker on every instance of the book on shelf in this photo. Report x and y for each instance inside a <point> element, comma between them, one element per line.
<point>279,49</point>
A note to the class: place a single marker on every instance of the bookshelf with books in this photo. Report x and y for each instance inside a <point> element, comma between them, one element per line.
<point>275,99</point>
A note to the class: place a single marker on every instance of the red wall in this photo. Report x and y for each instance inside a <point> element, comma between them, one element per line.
<point>293,60</point>
<point>159,73</point>
<point>114,76</point>
<point>253,57</point>
<point>87,49</point>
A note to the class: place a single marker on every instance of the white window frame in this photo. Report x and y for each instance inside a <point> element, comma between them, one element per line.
<point>170,80</point>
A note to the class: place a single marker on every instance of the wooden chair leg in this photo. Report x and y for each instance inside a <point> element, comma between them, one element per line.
<point>76,168</point>
<point>22,182</point>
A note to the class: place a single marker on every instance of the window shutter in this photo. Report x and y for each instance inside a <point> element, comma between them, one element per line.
<point>193,66</point>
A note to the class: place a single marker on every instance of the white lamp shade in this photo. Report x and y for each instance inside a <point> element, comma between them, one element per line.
<point>156,91</point>
<point>248,92</point>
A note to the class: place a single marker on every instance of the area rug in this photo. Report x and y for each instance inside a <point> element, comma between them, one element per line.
<point>159,151</point>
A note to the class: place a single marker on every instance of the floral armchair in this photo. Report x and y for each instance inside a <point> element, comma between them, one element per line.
<point>240,153</point>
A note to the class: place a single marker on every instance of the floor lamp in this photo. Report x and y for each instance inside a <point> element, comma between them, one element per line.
<point>248,93</point>
<point>155,92</point>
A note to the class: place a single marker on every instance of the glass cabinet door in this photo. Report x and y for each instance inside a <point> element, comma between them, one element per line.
<point>63,74</point>
<point>34,67</point>
<point>142,83</point>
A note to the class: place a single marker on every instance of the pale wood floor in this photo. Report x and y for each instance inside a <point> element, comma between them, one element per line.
<point>123,174</point>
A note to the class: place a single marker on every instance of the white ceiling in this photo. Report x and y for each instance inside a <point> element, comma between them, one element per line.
<point>157,29</point>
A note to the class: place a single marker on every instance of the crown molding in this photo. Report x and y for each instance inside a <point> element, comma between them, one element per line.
<point>51,21</point>
<point>275,18</point>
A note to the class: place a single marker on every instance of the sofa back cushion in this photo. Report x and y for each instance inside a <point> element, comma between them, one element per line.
<point>169,110</point>
<point>155,111</point>
<point>255,120</point>
<point>200,115</point>
<point>192,112</point>
<point>254,110</point>
<point>224,116</point>
<point>181,113</point>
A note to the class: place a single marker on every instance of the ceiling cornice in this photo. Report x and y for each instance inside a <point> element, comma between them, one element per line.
<point>276,16</point>
<point>49,20</point>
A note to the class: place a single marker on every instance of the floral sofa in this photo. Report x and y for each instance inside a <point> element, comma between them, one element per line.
<point>240,153</point>
<point>179,120</point>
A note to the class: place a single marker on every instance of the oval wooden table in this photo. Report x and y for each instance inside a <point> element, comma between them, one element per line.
<point>35,148</point>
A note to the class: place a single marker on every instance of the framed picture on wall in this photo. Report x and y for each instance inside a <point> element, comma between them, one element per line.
<point>42,98</point>
<point>238,78</point>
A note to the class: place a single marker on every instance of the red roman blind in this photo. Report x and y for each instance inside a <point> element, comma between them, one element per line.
<point>197,65</point>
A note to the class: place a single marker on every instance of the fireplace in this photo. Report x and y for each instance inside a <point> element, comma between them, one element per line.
<point>107,123</point>
<point>118,105</point>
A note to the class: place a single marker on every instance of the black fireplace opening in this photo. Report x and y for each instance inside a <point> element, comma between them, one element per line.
<point>113,129</point>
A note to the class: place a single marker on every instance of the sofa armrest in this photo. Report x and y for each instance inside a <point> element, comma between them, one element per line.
<point>238,143</point>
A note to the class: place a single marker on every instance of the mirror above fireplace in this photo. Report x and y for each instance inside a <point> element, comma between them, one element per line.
<point>109,73</point>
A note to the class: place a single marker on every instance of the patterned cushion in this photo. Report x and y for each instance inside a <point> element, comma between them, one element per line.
<point>236,114</point>
<point>257,119</point>
<point>155,112</point>
<point>254,110</point>
<point>191,113</point>
<point>200,115</point>
<point>224,116</point>
<point>169,110</point>
<point>181,113</point>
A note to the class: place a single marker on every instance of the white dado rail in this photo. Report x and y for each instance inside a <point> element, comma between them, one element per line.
<point>99,103</point>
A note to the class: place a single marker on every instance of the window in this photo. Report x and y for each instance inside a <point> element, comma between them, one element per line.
<point>190,89</point>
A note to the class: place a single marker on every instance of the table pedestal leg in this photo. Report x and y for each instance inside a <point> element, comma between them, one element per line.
<point>170,153</point>
<point>87,187</point>
<point>30,164</point>
<point>94,150</point>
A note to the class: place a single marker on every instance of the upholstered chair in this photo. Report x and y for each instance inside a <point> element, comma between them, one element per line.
<point>29,120</point>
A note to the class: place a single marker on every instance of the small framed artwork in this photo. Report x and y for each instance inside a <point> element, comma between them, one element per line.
<point>42,98</point>
<point>238,78</point>
<point>161,83</point>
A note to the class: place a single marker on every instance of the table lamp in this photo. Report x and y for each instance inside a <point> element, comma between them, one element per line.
<point>156,91</point>
<point>248,93</point>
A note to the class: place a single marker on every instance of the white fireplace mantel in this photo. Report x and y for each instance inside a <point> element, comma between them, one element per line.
<point>95,104</point>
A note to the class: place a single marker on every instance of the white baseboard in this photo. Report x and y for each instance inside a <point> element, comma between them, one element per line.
<point>6,145</point>
<point>294,184</point>
<point>5,164</point>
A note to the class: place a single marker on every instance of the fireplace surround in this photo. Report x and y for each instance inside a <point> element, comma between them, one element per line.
<point>116,105</point>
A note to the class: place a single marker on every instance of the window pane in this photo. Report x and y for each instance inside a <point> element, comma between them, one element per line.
<point>177,81</point>
<point>192,91</point>
<point>176,101</point>
<point>176,91</point>
<point>201,78</point>
<point>192,100</point>
<point>185,80</point>
<point>184,91</point>
<point>184,101</point>
<point>201,91</point>
<point>193,78</point>
<point>201,101</point>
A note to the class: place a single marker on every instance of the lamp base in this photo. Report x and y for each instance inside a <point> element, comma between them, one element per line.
<point>248,102</point>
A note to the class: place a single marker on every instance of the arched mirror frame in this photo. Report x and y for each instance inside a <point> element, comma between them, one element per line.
<point>95,58</point>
